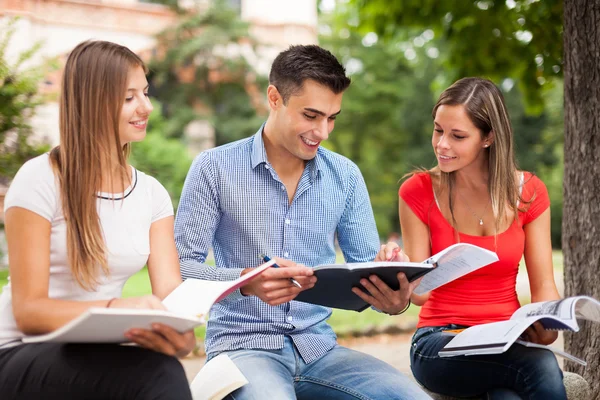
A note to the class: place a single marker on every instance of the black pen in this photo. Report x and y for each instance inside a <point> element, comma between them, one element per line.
<point>267,259</point>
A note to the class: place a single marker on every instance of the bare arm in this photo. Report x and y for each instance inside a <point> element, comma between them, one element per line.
<point>415,240</point>
<point>538,259</point>
<point>163,263</point>
<point>163,268</point>
<point>28,237</point>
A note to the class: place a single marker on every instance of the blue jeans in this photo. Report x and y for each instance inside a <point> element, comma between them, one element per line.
<point>340,374</point>
<point>520,372</point>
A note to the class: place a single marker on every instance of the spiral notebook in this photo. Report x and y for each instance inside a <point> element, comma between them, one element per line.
<point>497,337</point>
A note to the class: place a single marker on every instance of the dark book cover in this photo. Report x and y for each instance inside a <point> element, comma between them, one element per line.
<point>335,282</point>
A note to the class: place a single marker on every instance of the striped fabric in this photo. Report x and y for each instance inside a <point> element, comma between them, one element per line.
<point>233,200</point>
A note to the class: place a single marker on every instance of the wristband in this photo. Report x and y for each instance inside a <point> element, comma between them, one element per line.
<point>405,308</point>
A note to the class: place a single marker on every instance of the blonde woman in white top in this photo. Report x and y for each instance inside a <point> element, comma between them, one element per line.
<point>79,222</point>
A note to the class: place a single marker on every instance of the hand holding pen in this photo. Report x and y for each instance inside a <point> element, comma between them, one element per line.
<point>267,259</point>
<point>274,285</point>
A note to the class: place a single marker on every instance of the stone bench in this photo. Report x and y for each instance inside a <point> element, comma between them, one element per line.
<point>577,389</point>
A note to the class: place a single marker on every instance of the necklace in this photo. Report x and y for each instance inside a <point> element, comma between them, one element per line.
<point>472,212</point>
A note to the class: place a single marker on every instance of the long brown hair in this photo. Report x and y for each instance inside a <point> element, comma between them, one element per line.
<point>92,95</point>
<point>485,107</point>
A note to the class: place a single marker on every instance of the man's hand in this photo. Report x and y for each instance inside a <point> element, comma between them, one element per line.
<point>274,287</point>
<point>537,334</point>
<point>380,295</point>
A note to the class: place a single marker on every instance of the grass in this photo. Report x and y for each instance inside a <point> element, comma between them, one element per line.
<point>343,322</point>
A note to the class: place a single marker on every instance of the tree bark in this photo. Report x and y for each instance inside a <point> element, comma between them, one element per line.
<point>581,209</point>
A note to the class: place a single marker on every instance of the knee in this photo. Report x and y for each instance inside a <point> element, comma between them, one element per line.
<point>544,370</point>
<point>547,367</point>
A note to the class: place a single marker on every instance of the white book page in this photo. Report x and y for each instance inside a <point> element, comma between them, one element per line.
<point>216,379</point>
<point>454,262</point>
<point>587,308</point>
<point>561,309</point>
<point>108,325</point>
<point>196,296</point>
<point>495,334</point>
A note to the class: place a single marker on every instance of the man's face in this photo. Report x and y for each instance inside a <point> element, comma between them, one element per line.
<point>306,120</point>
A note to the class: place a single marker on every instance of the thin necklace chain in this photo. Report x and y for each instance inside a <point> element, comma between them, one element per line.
<point>472,212</point>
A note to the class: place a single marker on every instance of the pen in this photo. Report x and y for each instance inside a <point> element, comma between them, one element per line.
<point>267,259</point>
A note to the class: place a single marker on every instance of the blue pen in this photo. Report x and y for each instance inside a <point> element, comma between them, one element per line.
<point>267,259</point>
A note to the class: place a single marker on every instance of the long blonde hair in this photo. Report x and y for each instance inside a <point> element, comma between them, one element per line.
<point>485,107</point>
<point>92,95</point>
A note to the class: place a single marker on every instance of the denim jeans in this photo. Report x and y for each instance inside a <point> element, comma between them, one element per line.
<point>340,374</point>
<point>519,373</point>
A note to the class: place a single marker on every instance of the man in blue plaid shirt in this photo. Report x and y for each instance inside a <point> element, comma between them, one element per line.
<point>280,193</point>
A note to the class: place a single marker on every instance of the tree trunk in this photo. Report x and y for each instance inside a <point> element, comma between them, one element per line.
<point>581,212</point>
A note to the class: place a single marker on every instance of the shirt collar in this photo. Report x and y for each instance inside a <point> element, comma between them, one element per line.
<point>259,154</point>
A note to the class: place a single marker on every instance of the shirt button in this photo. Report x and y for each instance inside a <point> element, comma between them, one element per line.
<point>267,167</point>
<point>287,221</point>
<point>290,318</point>
<point>286,254</point>
<point>282,187</point>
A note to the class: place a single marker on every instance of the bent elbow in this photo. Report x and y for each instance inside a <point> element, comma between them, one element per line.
<point>25,321</point>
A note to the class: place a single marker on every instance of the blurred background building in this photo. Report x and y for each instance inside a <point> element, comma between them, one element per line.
<point>62,24</point>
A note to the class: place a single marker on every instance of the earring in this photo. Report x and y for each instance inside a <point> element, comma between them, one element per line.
<point>486,145</point>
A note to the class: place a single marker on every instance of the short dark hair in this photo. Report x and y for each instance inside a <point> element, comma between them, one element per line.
<point>302,62</point>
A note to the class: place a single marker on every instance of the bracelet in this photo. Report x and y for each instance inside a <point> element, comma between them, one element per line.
<point>405,308</point>
<point>110,302</point>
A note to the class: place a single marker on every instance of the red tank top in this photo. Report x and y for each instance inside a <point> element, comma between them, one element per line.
<point>488,294</point>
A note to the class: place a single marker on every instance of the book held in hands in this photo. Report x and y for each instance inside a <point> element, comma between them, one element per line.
<point>335,281</point>
<point>186,308</point>
<point>497,337</point>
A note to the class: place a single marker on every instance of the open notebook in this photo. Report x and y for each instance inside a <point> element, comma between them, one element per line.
<point>217,379</point>
<point>187,307</point>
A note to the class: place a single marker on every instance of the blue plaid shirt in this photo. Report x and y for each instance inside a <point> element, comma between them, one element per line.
<point>234,200</point>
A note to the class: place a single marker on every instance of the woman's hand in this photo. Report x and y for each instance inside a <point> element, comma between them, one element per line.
<point>163,339</point>
<point>391,252</point>
<point>537,334</point>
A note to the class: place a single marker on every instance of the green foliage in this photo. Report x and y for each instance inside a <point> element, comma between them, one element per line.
<point>202,72</point>
<point>386,122</point>
<point>165,159</point>
<point>521,38</point>
<point>18,100</point>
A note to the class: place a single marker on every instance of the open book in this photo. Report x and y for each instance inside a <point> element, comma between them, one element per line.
<point>335,281</point>
<point>187,307</point>
<point>217,379</point>
<point>497,337</point>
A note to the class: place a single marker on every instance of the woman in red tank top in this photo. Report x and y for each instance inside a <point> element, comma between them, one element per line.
<point>476,195</point>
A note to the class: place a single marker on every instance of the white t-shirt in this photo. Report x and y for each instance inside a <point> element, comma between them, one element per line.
<point>125,224</point>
